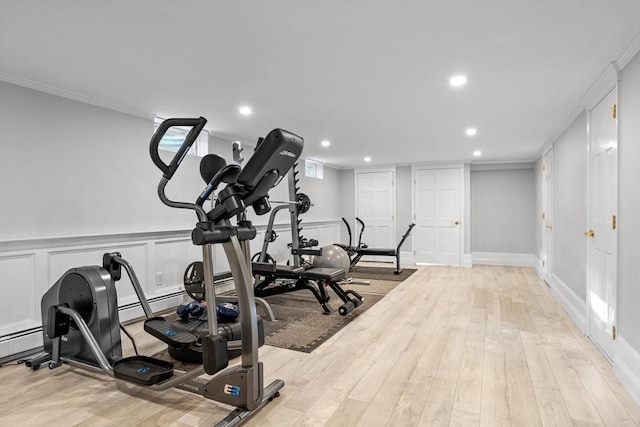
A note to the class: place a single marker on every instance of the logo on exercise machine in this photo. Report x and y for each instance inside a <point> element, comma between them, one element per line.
<point>231,389</point>
<point>287,153</point>
<point>170,333</point>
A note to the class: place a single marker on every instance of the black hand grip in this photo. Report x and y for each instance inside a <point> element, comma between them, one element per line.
<point>196,127</point>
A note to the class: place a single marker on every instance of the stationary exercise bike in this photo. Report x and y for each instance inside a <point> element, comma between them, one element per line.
<point>80,311</point>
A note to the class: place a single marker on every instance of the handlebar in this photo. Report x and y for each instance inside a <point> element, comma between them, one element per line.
<point>196,127</point>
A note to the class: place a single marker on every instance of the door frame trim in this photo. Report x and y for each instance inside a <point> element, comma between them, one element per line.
<point>463,191</point>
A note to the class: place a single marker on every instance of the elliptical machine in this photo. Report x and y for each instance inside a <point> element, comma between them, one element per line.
<point>81,326</point>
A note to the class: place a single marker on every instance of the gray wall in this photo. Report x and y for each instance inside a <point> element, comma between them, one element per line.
<point>502,210</point>
<point>629,204</point>
<point>71,169</point>
<point>538,206</point>
<point>325,194</point>
<point>347,203</point>
<point>403,205</point>
<point>569,206</point>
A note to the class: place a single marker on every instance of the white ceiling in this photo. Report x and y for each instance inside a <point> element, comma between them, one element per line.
<point>370,76</point>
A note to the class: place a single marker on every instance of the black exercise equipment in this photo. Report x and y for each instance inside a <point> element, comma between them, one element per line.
<point>80,311</point>
<point>357,252</point>
<point>274,279</point>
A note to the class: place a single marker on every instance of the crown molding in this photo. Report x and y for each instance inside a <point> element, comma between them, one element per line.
<point>74,96</point>
<point>629,52</point>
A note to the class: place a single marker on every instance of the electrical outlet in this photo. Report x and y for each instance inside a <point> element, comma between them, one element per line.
<point>158,279</point>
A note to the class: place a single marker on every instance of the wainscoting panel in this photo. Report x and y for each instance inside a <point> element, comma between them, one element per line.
<point>29,267</point>
<point>59,261</point>
<point>19,301</point>
<point>170,259</point>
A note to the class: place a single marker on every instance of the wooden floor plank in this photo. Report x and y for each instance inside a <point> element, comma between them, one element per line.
<point>486,346</point>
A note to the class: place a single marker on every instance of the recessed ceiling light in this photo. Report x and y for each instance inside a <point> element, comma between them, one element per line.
<point>477,153</point>
<point>457,81</point>
<point>325,143</point>
<point>245,111</point>
<point>471,131</point>
<point>367,159</point>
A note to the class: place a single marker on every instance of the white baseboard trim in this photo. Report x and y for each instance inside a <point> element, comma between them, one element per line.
<point>626,366</point>
<point>467,260</point>
<point>540,271</point>
<point>406,259</point>
<point>572,304</point>
<point>506,259</point>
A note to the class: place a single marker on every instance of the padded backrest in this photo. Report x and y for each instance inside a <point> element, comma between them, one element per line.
<point>278,152</point>
<point>210,165</point>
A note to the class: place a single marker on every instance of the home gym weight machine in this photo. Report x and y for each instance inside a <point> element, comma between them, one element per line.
<point>80,311</point>
<point>274,279</point>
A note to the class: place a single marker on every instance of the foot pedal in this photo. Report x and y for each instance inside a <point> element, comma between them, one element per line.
<point>142,370</point>
<point>164,331</point>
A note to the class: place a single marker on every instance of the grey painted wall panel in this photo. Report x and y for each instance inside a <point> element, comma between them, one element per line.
<point>347,202</point>
<point>629,204</point>
<point>569,206</point>
<point>403,205</point>
<point>502,211</point>
<point>538,177</point>
<point>69,169</point>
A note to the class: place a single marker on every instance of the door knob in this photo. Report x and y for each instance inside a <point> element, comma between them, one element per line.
<point>456,223</point>
<point>589,233</point>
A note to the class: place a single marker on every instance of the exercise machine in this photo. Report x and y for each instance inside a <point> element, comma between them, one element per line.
<point>81,325</point>
<point>361,249</point>
<point>272,278</point>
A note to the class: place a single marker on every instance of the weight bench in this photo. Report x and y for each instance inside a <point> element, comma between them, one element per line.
<point>357,252</point>
<point>274,279</point>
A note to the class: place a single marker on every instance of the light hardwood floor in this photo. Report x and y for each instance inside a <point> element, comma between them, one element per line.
<point>481,346</point>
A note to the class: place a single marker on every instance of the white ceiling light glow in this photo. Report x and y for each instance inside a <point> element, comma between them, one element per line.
<point>245,111</point>
<point>458,80</point>
<point>471,131</point>
<point>325,143</point>
<point>367,159</point>
<point>477,153</point>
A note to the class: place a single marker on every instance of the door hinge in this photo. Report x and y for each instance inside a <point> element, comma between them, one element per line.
<point>613,332</point>
<point>614,112</point>
<point>543,263</point>
<point>543,216</point>
<point>544,167</point>
<point>613,222</point>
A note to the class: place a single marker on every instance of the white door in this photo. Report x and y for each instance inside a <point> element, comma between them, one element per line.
<point>547,213</point>
<point>438,216</point>
<point>602,235</point>
<point>375,197</point>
